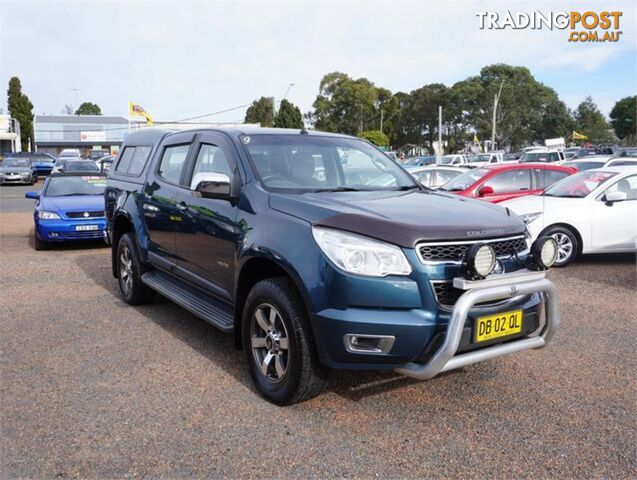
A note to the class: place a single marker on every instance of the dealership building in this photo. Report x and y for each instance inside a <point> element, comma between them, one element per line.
<point>85,132</point>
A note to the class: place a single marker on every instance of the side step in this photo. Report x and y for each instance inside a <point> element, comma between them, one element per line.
<point>192,299</point>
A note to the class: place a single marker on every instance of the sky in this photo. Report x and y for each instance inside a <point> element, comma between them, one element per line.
<point>185,59</point>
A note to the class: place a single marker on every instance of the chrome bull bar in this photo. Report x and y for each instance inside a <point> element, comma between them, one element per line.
<point>497,288</point>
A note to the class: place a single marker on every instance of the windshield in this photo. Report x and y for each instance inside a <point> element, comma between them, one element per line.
<point>581,166</point>
<point>81,167</point>
<point>464,181</point>
<point>578,185</point>
<point>16,162</point>
<point>447,159</point>
<point>316,163</point>
<point>479,158</point>
<point>66,186</point>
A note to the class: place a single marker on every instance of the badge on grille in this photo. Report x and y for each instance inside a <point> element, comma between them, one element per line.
<point>86,214</point>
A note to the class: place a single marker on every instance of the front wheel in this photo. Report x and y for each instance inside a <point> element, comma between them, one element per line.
<point>129,273</point>
<point>40,244</point>
<point>567,244</point>
<point>278,343</point>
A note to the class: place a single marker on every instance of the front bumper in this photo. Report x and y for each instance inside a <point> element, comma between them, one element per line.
<point>65,230</point>
<point>16,180</point>
<point>519,283</point>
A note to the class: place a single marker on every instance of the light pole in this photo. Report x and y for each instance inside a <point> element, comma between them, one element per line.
<point>496,99</point>
<point>288,91</point>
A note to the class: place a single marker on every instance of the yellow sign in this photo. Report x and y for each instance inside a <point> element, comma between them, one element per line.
<point>579,136</point>
<point>134,109</point>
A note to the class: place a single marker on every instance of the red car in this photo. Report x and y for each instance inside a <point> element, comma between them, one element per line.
<point>496,183</point>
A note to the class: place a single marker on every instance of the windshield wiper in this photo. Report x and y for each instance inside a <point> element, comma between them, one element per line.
<point>404,188</point>
<point>457,189</point>
<point>337,189</point>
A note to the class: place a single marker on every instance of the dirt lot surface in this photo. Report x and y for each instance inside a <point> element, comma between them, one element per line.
<point>93,388</point>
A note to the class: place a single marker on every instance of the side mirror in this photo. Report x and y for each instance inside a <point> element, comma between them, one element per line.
<point>616,196</point>
<point>486,190</point>
<point>211,185</point>
<point>32,195</point>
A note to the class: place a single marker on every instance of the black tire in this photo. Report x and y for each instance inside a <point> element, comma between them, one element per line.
<point>129,272</point>
<point>40,244</point>
<point>305,377</point>
<point>567,244</point>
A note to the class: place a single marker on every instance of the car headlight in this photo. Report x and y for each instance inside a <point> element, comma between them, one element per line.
<point>361,255</point>
<point>529,217</point>
<point>44,215</point>
<point>479,261</point>
<point>543,253</point>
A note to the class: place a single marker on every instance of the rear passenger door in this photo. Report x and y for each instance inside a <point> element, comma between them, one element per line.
<point>159,204</point>
<point>509,184</point>
<point>545,177</point>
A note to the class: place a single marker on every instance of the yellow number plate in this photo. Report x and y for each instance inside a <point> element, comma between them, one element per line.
<point>496,326</point>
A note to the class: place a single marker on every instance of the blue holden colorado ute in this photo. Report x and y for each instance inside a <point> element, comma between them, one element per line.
<point>284,238</point>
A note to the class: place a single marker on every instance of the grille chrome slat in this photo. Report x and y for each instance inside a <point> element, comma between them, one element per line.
<point>454,252</point>
<point>447,295</point>
<point>91,214</point>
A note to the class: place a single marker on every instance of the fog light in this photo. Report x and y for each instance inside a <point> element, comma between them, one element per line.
<point>370,344</point>
<point>53,235</point>
<point>543,253</point>
<point>479,261</point>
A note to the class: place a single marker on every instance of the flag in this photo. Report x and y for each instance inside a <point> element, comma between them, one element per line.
<point>476,141</point>
<point>579,136</point>
<point>134,109</point>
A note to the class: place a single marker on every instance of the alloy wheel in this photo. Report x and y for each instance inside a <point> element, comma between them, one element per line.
<point>126,270</point>
<point>564,246</point>
<point>270,342</point>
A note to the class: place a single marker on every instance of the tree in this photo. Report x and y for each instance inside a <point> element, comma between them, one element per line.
<point>288,116</point>
<point>261,111</point>
<point>591,122</point>
<point>346,105</point>
<point>376,137</point>
<point>88,108</point>
<point>622,117</point>
<point>21,108</point>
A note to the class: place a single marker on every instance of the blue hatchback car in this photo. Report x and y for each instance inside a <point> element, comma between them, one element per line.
<point>70,207</point>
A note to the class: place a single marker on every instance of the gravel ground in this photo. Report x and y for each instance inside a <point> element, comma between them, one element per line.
<point>93,388</point>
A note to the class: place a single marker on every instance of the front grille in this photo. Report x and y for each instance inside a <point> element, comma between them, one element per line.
<point>91,214</point>
<point>83,234</point>
<point>455,252</point>
<point>447,295</point>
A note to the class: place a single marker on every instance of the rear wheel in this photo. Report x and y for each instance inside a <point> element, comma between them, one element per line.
<point>278,343</point>
<point>567,244</point>
<point>129,272</point>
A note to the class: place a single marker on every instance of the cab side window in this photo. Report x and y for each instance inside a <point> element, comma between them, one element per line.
<point>138,162</point>
<point>511,181</point>
<point>627,185</point>
<point>212,159</point>
<point>125,159</point>
<point>546,178</point>
<point>172,163</point>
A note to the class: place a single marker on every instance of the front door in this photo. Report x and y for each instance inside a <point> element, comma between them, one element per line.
<point>159,203</point>
<point>615,225</point>
<point>206,250</point>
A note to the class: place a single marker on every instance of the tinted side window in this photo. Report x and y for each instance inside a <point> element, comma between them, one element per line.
<point>172,163</point>
<point>512,181</point>
<point>546,178</point>
<point>139,160</point>
<point>125,159</point>
<point>212,159</point>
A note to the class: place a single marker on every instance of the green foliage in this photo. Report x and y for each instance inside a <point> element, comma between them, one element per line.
<point>288,116</point>
<point>622,117</point>
<point>88,108</point>
<point>261,111</point>
<point>376,137</point>
<point>589,121</point>
<point>21,108</point>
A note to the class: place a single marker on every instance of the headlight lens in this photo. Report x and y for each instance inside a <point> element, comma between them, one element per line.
<point>44,215</point>
<point>361,255</point>
<point>529,217</point>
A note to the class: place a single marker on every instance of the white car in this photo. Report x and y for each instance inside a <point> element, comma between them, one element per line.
<point>542,154</point>
<point>435,176</point>
<point>621,162</point>
<point>594,211</point>
<point>587,163</point>
<point>483,159</point>
<point>454,159</point>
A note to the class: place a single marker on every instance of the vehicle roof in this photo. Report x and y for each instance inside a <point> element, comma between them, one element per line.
<point>439,167</point>
<point>590,159</point>
<point>499,167</point>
